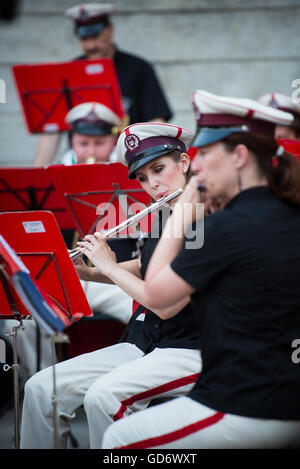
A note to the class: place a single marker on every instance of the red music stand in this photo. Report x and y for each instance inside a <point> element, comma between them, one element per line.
<point>37,240</point>
<point>32,189</point>
<point>91,191</point>
<point>28,296</point>
<point>48,91</point>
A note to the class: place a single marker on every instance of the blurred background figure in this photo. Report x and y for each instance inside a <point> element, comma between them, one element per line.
<point>9,9</point>
<point>284,103</point>
<point>142,95</point>
<point>93,137</point>
<point>94,133</point>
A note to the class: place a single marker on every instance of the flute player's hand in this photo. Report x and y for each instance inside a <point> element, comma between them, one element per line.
<point>96,249</point>
<point>83,271</point>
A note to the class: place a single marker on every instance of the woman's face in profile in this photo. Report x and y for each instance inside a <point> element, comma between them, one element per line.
<point>162,176</point>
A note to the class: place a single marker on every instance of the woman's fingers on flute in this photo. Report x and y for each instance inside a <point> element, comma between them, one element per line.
<point>100,236</point>
<point>93,239</point>
<point>88,238</point>
<point>84,247</point>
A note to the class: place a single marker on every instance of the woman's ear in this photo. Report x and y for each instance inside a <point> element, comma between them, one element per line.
<point>185,162</point>
<point>241,154</point>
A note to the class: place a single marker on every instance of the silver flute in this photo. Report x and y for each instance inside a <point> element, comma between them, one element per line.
<point>74,253</point>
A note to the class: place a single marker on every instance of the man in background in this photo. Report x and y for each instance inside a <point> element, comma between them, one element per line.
<point>142,95</point>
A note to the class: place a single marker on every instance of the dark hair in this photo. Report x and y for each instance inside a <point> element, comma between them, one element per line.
<point>282,173</point>
<point>175,155</point>
<point>296,127</point>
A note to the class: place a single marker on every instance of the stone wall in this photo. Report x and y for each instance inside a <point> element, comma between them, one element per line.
<point>238,48</point>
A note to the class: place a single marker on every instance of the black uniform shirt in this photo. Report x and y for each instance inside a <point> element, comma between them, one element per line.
<point>142,95</point>
<point>247,277</point>
<point>180,331</point>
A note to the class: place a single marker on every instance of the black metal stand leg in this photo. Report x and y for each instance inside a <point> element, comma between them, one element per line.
<point>59,337</point>
<point>16,375</point>
<point>54,398</point>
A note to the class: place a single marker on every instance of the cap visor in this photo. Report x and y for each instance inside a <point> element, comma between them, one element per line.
<point>209,135</point>
<point>84,128</point>
<point>144,160</point>
<point>89,29</point>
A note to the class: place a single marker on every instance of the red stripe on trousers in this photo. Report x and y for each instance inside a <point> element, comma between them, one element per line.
<point>177,434</point>
<point>176,383</point>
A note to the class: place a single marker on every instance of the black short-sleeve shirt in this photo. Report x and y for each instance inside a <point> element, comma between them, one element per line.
<point>180,331</point>
<point>142,94</point>
<point>247,297</point>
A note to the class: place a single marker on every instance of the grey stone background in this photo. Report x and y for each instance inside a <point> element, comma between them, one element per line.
<point>235,47</point>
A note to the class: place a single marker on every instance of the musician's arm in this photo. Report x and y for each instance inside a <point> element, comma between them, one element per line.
<point>46,149</point>
<point>134,286</point>
<point>163,287</point>
<point>93,274</point>
<point>127,275</point>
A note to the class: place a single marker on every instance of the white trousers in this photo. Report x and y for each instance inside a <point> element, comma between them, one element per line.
<point>102,298</point>
<point>184,423</point>
<point>108,299</point>
<point>111,383</point>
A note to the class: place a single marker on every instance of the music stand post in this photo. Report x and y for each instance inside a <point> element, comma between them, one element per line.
<point>7,299</point>
<point>58,337</point>
<point>16,380</point>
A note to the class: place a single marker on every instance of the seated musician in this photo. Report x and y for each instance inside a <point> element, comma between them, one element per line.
<point>159,358</point>
<point>94,132</point>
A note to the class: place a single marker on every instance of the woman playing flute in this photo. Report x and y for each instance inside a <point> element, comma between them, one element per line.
<point>160,358</point>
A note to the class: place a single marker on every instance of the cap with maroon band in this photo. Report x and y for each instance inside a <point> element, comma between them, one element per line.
<point>90,18</point>
<point>219,116</point>
<point>282,102</point>
<point>139,144</point>
<point>93,118</point>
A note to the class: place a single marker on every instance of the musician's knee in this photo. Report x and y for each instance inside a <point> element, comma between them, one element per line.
<point>100,396</point>
<point>37,385</point>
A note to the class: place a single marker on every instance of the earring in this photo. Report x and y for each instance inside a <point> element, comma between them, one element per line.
<point>239,180</point>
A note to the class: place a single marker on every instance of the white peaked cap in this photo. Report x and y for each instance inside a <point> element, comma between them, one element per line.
<point>92,118</point>
<point>280,101</point>
<point>218,116</point>
<point>140,143</point>
<point>218,106</point>
<point>90,10</point>
<point>92,111</point>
